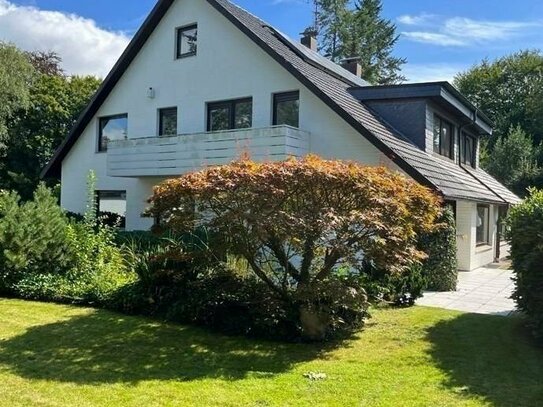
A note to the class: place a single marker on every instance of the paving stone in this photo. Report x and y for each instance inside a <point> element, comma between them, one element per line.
<point>485,291</point>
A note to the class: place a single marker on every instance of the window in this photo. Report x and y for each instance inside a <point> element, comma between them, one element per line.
<point>443,137</point>
<point>187,41</point>
<point>111,207</point>
<point>229,115</point>
<point>286,109</point>
<point>112,128</point>
<point>167,121</point>
<point>467,150</point>
<point>483,225</point>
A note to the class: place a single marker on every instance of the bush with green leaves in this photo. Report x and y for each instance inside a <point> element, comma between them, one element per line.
<point>398,289</point>
<point>46,256</point>
<point>440,268</point>
<point>525,223</point>
<point>297,222</point>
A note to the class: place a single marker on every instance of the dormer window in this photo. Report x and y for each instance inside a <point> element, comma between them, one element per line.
<point>468,148</point>
<point>187,41</point>
<point>443,137</point>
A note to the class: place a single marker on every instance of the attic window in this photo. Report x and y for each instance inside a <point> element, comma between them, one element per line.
<point>187,41</point>
<point>443,137</point>
<point>467,150</point>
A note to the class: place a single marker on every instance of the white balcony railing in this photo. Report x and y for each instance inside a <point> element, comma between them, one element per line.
<point>175,155</point>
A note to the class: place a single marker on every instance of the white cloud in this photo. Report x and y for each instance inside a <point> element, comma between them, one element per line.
<point>432,72</point>
<point>462,31</point>
<point>84,47</point>
<point>415,20</point>
<point>435,38</point>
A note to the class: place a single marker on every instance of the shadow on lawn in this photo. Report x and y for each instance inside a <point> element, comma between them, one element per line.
<point>104,347</point>
<point>491,357</point>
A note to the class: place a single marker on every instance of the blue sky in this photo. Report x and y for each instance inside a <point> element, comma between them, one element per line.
<point>439,38</point>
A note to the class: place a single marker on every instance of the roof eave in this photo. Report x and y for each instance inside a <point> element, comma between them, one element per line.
<point>443,91</point>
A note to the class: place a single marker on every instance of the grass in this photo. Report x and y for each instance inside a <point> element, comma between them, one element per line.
<point>53,355</point>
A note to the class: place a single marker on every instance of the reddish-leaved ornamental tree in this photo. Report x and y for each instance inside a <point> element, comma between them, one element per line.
<point>300,224</point>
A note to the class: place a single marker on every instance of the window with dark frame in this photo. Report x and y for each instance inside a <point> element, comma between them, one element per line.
<point>187,41</point>
<point>286,109</point>
<point>111,207</point>
<point>443,137</point>
<point>483,225</point>
<point>167,121</point>
<point>230,115</point>
<point>111,128</point>
<point>468,149</point>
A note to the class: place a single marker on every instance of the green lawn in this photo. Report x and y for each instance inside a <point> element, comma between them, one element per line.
<point>53,355</point>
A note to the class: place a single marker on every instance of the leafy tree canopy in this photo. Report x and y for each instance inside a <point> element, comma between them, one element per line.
<point>38,127</point>
<point>509,90</point>
<point>16,77</point>
<point>299,223</point>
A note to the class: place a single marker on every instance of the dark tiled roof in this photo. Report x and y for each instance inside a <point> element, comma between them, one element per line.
<point>331,84</point>
<point>450,179</point>
<point>494,185</point>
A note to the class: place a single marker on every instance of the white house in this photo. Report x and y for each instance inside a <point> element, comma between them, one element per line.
<point>204,80</point>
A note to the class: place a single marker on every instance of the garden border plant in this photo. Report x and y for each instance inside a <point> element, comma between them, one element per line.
<point>300,224</point>
<point>525,224</point>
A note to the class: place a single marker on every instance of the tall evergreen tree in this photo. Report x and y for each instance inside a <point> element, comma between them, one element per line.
<point>358,30</point>
<point>332,17</point>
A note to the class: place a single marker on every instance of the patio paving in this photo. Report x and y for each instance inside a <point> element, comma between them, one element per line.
<point>484,291</point>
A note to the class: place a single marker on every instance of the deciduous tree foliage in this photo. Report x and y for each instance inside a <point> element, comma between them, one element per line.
<point>16,75</point>
<point>300,221</point>
<point>510,91</point>
<point>38,128</point>
<point>526,236</point>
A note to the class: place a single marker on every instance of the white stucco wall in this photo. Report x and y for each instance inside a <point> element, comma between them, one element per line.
<point>470,256</point>
<point>228,65</point>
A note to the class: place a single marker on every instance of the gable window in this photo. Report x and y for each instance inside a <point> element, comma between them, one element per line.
<point>467,150</point>
<point>483,225</point>
<point>111,207</point>
<point>443,137</point>
<point>167,121</point>
<point>229,115</point>
<point>187,41</point>
<point>286,109</point>
<point>112,128</point>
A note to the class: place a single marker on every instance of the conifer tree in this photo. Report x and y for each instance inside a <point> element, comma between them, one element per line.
<point>358,30</point>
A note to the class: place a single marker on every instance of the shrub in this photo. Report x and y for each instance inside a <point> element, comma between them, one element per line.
<point>296,223</point>
<point>525,223</point>
<point>33,237</point>
<point>399,289</point>
<point>440,268</point>
<point>46,256</point>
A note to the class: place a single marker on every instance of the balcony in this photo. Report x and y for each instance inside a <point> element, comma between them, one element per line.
<point>176,155</point>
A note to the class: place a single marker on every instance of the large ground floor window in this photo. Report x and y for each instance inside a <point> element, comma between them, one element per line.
<point>111,206</point>
<point>483,225</point>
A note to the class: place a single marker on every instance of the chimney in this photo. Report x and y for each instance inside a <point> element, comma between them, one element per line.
<point>352,65</point>
<point>309,39</point>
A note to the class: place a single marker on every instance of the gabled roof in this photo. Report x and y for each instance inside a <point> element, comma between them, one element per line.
<point>328,82</point>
